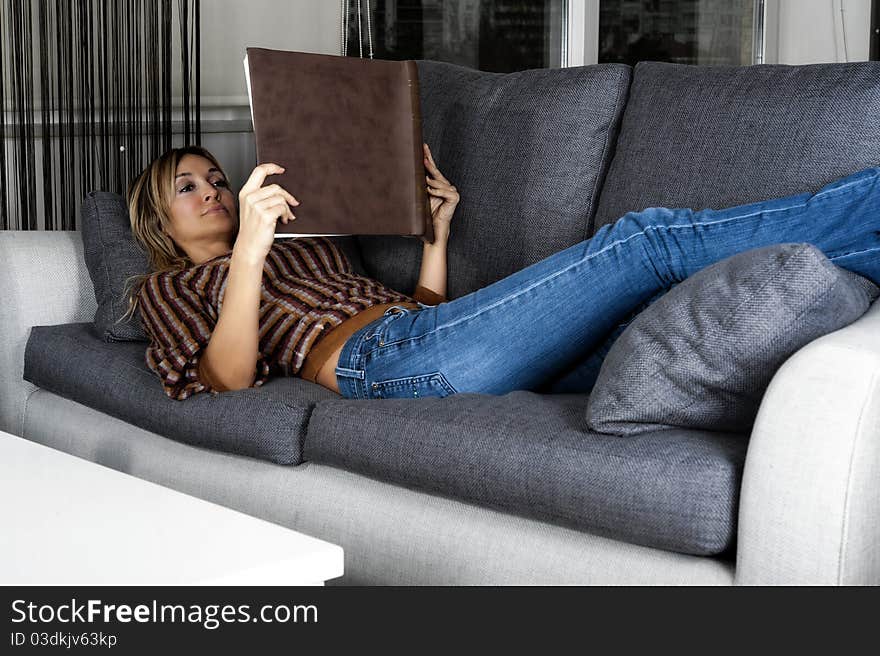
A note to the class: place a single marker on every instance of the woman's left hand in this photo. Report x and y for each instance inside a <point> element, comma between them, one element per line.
<point>442,194</point>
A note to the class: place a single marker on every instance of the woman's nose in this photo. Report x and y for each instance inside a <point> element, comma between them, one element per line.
<point>212,192</point>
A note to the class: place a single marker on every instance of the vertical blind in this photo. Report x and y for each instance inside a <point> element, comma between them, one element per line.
<point>89,97</point>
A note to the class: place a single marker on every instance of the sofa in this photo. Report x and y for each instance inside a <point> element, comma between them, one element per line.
<point>517,488</point>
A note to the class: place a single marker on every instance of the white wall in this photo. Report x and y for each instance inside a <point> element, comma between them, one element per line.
<point>816,31</point>
<point>230,26</point>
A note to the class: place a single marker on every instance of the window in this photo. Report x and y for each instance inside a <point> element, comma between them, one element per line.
<point>490,35</point>
<point>680,31</point>
<point>512,35</point>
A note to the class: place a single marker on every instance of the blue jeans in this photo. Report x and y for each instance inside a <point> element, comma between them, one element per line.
<point>539,325</point>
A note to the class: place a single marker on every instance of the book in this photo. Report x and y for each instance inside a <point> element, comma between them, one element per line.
<point>348,133</point>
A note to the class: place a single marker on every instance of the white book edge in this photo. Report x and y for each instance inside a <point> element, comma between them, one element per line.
<point>247,80</point>
<point>304,234</point>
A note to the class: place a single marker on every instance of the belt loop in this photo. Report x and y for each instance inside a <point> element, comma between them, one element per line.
<point>350,373</point>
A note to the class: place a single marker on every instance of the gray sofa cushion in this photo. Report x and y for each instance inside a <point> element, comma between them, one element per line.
<point>715,136</point>
<point>531,454</point>
<point>112,256</point>
<point>266,422</point>
<point>702,356</point>
<point>527,152</point>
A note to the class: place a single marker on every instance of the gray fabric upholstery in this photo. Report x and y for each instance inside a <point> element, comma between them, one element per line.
<point>527,152</point>
<point>266,422</point>
<point>810,493</point>
<point>391,535</point>
<point>112,257</point>
<point>702,356</point>
<point>531,454</point>
<point>716,136</point>
<point>43,279</point>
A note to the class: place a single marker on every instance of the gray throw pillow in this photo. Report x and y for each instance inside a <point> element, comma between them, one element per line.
<point>702,356</point>
<point>112,256</point>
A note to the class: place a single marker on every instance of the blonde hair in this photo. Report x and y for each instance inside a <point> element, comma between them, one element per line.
<point>149,210</point>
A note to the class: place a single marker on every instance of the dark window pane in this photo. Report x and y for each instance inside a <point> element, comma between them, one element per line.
<point>490,35</point>
<point>681,31</point>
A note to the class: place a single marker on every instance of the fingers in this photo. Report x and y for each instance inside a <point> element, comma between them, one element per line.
<point>431,165</point>
<point>274,207</point>
<point>272,190</point>
<point>272,201</point>
<point>438,184</point>
<point>438,190</point>
<point>258,175</point>
<point>449,194</point>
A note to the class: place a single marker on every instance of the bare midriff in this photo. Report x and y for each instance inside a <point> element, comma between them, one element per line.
<point>327,373</point>
<point>320,364</point>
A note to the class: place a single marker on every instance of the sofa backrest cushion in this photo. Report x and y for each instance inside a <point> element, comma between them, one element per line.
<point>527,152</point>
<point>717,136</point>
<point>112,257</point>
<point>702,356</point>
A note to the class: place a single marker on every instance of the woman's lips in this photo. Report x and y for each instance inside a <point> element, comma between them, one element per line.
<point>214,210</point>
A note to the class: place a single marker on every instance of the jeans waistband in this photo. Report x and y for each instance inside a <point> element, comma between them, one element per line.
<point>350,374</point>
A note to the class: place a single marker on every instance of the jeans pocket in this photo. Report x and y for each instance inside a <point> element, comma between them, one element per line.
<point>412,387</point>
<point>379,327</point>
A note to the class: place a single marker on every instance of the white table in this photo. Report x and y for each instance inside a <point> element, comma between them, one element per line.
<point>68,521</point>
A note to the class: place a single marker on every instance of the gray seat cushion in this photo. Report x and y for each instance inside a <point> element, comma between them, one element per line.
<point>702,356</point>
<point>716,136</point>
<point>268,422</point>
<point>527,152</point>
<point>532,454</point>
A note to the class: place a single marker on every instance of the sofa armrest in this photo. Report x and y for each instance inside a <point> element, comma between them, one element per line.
<point>43,281</point>
<point>810,503</point>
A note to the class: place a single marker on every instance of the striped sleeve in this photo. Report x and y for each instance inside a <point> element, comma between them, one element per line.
<point>311,257</point>
<point>179,329</point>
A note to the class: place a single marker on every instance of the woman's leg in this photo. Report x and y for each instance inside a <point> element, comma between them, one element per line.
<point>522,331</point>
<point>581,376</point>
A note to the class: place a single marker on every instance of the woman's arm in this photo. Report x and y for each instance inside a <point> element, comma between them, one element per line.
<point>444,199</point>
<point>230,359</point>
<point>432,275</point>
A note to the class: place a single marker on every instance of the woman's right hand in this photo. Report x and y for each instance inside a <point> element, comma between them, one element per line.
<point>260,208</point>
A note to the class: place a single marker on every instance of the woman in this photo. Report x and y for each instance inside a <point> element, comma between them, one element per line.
<point>228,304</point>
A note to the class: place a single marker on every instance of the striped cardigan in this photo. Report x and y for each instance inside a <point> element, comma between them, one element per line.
<point>308,288</point>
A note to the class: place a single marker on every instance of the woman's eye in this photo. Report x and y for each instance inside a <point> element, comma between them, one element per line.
<point>189,186</point>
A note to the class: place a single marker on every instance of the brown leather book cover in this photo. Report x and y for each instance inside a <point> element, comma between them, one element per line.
<point>348,133</point>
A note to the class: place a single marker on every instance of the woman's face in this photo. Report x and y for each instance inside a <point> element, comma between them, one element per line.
<point>203,213</point>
